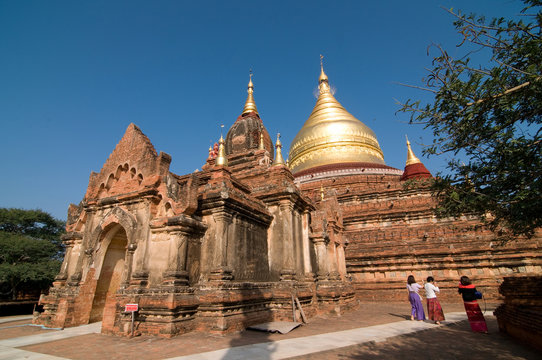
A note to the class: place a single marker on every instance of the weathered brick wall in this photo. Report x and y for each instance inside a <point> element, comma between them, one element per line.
<point>393,233</point>
<point>216,250</point>
<point>521,314</point>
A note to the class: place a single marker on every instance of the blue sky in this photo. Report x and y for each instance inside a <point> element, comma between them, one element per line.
<point>75,74</point>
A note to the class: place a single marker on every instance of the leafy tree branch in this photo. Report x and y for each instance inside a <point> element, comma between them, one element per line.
<point>487,112</point>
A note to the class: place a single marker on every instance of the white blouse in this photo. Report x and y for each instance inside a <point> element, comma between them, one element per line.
<point>430,291</point>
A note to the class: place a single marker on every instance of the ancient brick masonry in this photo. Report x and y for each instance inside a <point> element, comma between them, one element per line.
<point>216,250</point>
<point>521,313</point>
<point>390,228</point>
<point>226,247</point>
<point>392,232</point>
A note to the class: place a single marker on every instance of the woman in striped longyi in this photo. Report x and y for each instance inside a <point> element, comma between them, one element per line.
<point>434,310</point>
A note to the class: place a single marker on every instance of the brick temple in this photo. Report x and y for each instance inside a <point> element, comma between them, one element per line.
<point>233,244</point>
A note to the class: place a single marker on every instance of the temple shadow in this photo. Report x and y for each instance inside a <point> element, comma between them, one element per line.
<point>454,341</point>
<point>255,310</point>
<point>404,317</point>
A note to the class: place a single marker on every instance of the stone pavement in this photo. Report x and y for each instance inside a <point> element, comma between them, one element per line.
<point>284,349</point>
<point>14,318</point>
<point>375,331</point>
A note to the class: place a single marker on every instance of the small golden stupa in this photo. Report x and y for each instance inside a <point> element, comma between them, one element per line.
<point>411,158</point>
<point>332,136</point>
<point>250,104</point>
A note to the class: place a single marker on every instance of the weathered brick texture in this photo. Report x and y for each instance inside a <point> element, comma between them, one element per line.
<point>226,247</point>
<point>392,232</point>
<point>521,313</point>
<point>217,250</point>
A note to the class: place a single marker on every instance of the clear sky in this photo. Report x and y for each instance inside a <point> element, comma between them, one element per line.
<point>75,74</point>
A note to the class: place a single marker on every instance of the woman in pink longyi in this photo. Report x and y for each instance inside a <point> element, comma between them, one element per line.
<point>474,314</point>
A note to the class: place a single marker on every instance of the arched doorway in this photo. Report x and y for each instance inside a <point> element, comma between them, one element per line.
<point>111,273</point>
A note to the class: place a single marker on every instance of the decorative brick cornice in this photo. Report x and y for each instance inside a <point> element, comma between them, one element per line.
<point>70,236</point>
<point>346,169</point>
<point>181,223</point>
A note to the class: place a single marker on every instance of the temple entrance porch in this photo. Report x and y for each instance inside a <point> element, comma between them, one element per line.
<point>111,274</point>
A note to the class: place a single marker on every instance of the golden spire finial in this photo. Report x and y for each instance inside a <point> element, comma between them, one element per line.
<point>323,80</point>
<point>278,158</point>
<point>411,158</point>
<point>261,145</point>
<point>323,76</point>
<point>221,159</point>
<point>250,104</point>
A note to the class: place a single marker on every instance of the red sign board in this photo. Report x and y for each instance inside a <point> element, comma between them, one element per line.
<point>130,307</point>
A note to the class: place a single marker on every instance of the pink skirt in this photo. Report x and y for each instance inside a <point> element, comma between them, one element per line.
<point>476,318</point>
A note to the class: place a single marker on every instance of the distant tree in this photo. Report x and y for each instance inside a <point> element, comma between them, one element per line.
<point>489,116</point>
<point>30,250</point>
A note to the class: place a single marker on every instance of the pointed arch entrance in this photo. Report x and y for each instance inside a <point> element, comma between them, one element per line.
<point>111,273</point>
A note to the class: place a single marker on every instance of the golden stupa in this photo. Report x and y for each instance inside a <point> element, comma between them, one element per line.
<point>250,104</point>
<point>331,135</point>
<point>411,158</point>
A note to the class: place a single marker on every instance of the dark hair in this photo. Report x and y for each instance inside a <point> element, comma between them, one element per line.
<point>465,280</point>
<point>430,279</point>
<point>411,279</point>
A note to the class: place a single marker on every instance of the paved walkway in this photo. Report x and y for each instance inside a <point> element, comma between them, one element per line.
<point>8,347</point>
<point>15,318</point>
<point>376,331</point>
<point>52,335</point>
<point>284,349</point>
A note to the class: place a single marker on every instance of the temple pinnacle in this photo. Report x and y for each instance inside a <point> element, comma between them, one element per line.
<point>323,83</point>
<point>278,158</point>
<point>250,104</point>
<point>221,159</point>
<point>411,158</point>
<point>323,76</point>
<point>261,145</point>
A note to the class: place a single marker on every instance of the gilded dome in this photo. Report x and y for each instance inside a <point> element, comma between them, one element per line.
<point>331,135</point>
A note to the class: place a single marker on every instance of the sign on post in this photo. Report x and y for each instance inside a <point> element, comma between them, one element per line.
<point>131,308</point>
